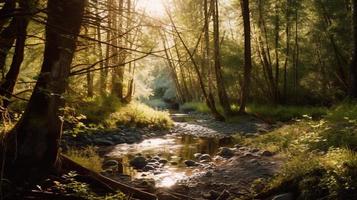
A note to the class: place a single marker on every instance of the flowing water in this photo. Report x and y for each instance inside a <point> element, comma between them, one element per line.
<point>173,148</point>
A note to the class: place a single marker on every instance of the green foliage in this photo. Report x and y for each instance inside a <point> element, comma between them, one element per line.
<point>83,190</point>
<point>140,115</point>
<point>198,107</point>
<point>341,127</point>
<point>285,113</point>
<point>99,109</point>
<point>331,176</point>
<point>322,163</point>
<point>195,107</point>
<point>87,157</point>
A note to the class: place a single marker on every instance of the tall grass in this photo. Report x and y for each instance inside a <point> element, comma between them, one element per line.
<point>87,157</point>
<point>140,115</point>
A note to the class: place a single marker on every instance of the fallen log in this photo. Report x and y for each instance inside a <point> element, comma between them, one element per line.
<point>70,165</point>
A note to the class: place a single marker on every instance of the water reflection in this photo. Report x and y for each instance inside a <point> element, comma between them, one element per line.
<point>174,149</point>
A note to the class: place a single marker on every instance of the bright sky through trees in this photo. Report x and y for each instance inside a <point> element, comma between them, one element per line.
<point>154,8</point>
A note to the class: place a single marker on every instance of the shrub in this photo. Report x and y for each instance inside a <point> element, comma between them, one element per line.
<point>140,115</point>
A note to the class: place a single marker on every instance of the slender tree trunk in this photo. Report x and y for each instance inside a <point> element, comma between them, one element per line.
<point>102,77</point>
<point>247,56</point>
<point>296,53</point>
<point>353,66</point>
<point>287,55</point>
<point>8,84</point>
<point>7,39</point>
<point>7,9</point>
<point>277,46</point>
<point>222,92</point>
<point>32,146</point>
<point>89,74</point>
<point>209,98</point>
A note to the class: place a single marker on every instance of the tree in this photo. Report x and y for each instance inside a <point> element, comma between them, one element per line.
<point>353,66</point>
<point>247,55</point>
<point>222,93</point>
<point>32,146</point>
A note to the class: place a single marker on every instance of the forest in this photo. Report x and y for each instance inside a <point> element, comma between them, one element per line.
<point>178,99</point>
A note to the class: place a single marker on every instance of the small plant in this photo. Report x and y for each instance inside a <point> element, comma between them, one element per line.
<point>83,190</point>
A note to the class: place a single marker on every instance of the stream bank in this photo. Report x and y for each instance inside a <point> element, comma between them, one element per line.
<point>198,157</point>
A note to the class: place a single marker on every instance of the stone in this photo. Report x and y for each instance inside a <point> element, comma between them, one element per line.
<point>254,150</point>
<point>173,163</point>
<point>110,164</point>
<point>197,155</point>
<point>267,153</point>
<point>226,152</point>
<point>205,157</point>
<point>286,196</point>
<point>163,161</point>
<point>103,142</point>
<point>148,168</point>
<point>157,158</point>
<point>190,163</point>
<point>138,162</point>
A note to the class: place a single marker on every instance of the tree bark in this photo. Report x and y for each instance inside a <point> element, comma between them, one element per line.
<point>7,39</point>
<point>222,92</point>
<point>8,84</point>
<point>247,56</point>
<point>353,66</point>
<point>32,146</point>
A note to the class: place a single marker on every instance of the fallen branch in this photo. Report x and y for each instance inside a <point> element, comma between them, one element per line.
<point>70,165</point>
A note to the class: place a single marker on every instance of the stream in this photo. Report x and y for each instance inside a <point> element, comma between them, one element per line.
<point>173,150</point>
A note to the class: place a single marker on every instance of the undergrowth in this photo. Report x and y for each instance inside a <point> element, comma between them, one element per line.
<point>87,157</point>
<point>83,190</point>
<point>270,113</point>
<point>140,115</point>
<point>322,159</point>
<point>108,112</point>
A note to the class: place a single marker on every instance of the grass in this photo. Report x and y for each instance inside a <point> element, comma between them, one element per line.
<point>285,113</point>
<point>108,112</point>
<point>86,157</point>
<point>322,159</point>
<point>195,107</point>
<point>271,113</point>
<point>140,115</point>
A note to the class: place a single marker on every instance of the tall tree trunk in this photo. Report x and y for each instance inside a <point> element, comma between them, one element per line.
<point>33,144</point>
<point>7,9</point>
<point>89,74</point>
<point>353,66</point>
<point>118,71</point>
<point>296,53</point>
<point>103,75</point>
<point>8,84</point>
<point>222,92</point>
<point>277,46</point>
<point>208,98</point>
<point>287,55</point>
<point>247,55</point>
<point>7,39</point>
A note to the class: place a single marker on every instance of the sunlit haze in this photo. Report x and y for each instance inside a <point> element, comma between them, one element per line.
<point>154,8</point>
